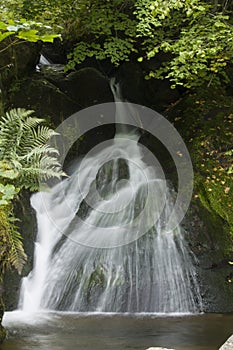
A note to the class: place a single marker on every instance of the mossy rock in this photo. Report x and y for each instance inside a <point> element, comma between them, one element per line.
<point>44,98</point>
<point>105,184</point>
<point>107,180</point>
<point>18,60</point>
<point>205,120</point>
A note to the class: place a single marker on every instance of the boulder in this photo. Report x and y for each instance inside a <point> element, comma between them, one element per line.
<point>44,98</point>
<point>86,87</point>
<point>17,60</point>
<point>53,93</point>
<point>228,345</point>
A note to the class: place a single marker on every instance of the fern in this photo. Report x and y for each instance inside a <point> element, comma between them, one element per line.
<point>17,256</point>
<point>11,252</point>
<point>26,158</point>
<point>24,145</point>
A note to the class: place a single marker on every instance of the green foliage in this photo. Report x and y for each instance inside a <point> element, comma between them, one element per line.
<point>11,252</point>
<point>15,29</point>
<point>25,155</point>
<point>7,193</point>
<point>23,30</point>
<point>25,159</point>
<point>200,55</point>
<point>17,256</point>
<point>197,40</point>
<point>196,36</point>
<point>104,30</point>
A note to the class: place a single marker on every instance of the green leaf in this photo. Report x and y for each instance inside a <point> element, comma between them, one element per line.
<point>30,35</point>
<point>49,38</point>
<point>3,26</point>
<point>6,171</point>
<point>5,35</point>
<point>7,193</point>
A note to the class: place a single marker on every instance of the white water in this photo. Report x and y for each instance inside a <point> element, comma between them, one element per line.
<point>99,259</point>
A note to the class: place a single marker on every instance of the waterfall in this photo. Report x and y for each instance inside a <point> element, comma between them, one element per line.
<point>102,243</point>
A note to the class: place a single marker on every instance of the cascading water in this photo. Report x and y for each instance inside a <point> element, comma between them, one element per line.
<point>102,243</point>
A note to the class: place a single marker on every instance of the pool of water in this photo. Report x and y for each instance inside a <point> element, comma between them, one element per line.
<point>59,331</point>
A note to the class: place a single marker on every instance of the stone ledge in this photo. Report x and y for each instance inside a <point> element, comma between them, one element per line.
<point>228,345</point>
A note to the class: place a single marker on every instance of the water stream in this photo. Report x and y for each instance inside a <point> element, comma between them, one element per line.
<point>103,332</point>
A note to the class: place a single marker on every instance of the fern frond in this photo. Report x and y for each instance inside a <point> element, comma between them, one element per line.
<point>18,113</point>
<point>42,134</point>
<point>35,153</point>
<point>17,256</point>
<point>32,122</point>
<point>12,253</point>
<point>24,144</point>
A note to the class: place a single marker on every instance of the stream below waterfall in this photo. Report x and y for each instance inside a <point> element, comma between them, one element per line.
<point>59,331</point>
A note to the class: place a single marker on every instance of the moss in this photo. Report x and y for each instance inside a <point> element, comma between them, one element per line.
<point>4,240</point>
<point>204,118</point>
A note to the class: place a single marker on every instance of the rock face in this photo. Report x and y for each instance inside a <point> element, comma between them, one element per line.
<point>153,93</point>
<point>228,345</point>
<point>56,95</point>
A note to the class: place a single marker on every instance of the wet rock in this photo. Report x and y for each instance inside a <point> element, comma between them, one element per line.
<point>106,176</point>
<point>228,345</point>
<point>54,52</point>
<point>86,87</point>
<point>104,184</point>
<point>53,73</point>
<point>131,80</point>
<point>44,98</point>
<point>204,234</point>
<point>52,93</point>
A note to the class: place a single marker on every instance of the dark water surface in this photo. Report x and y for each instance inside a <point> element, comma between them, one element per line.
<point>117,332</point>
